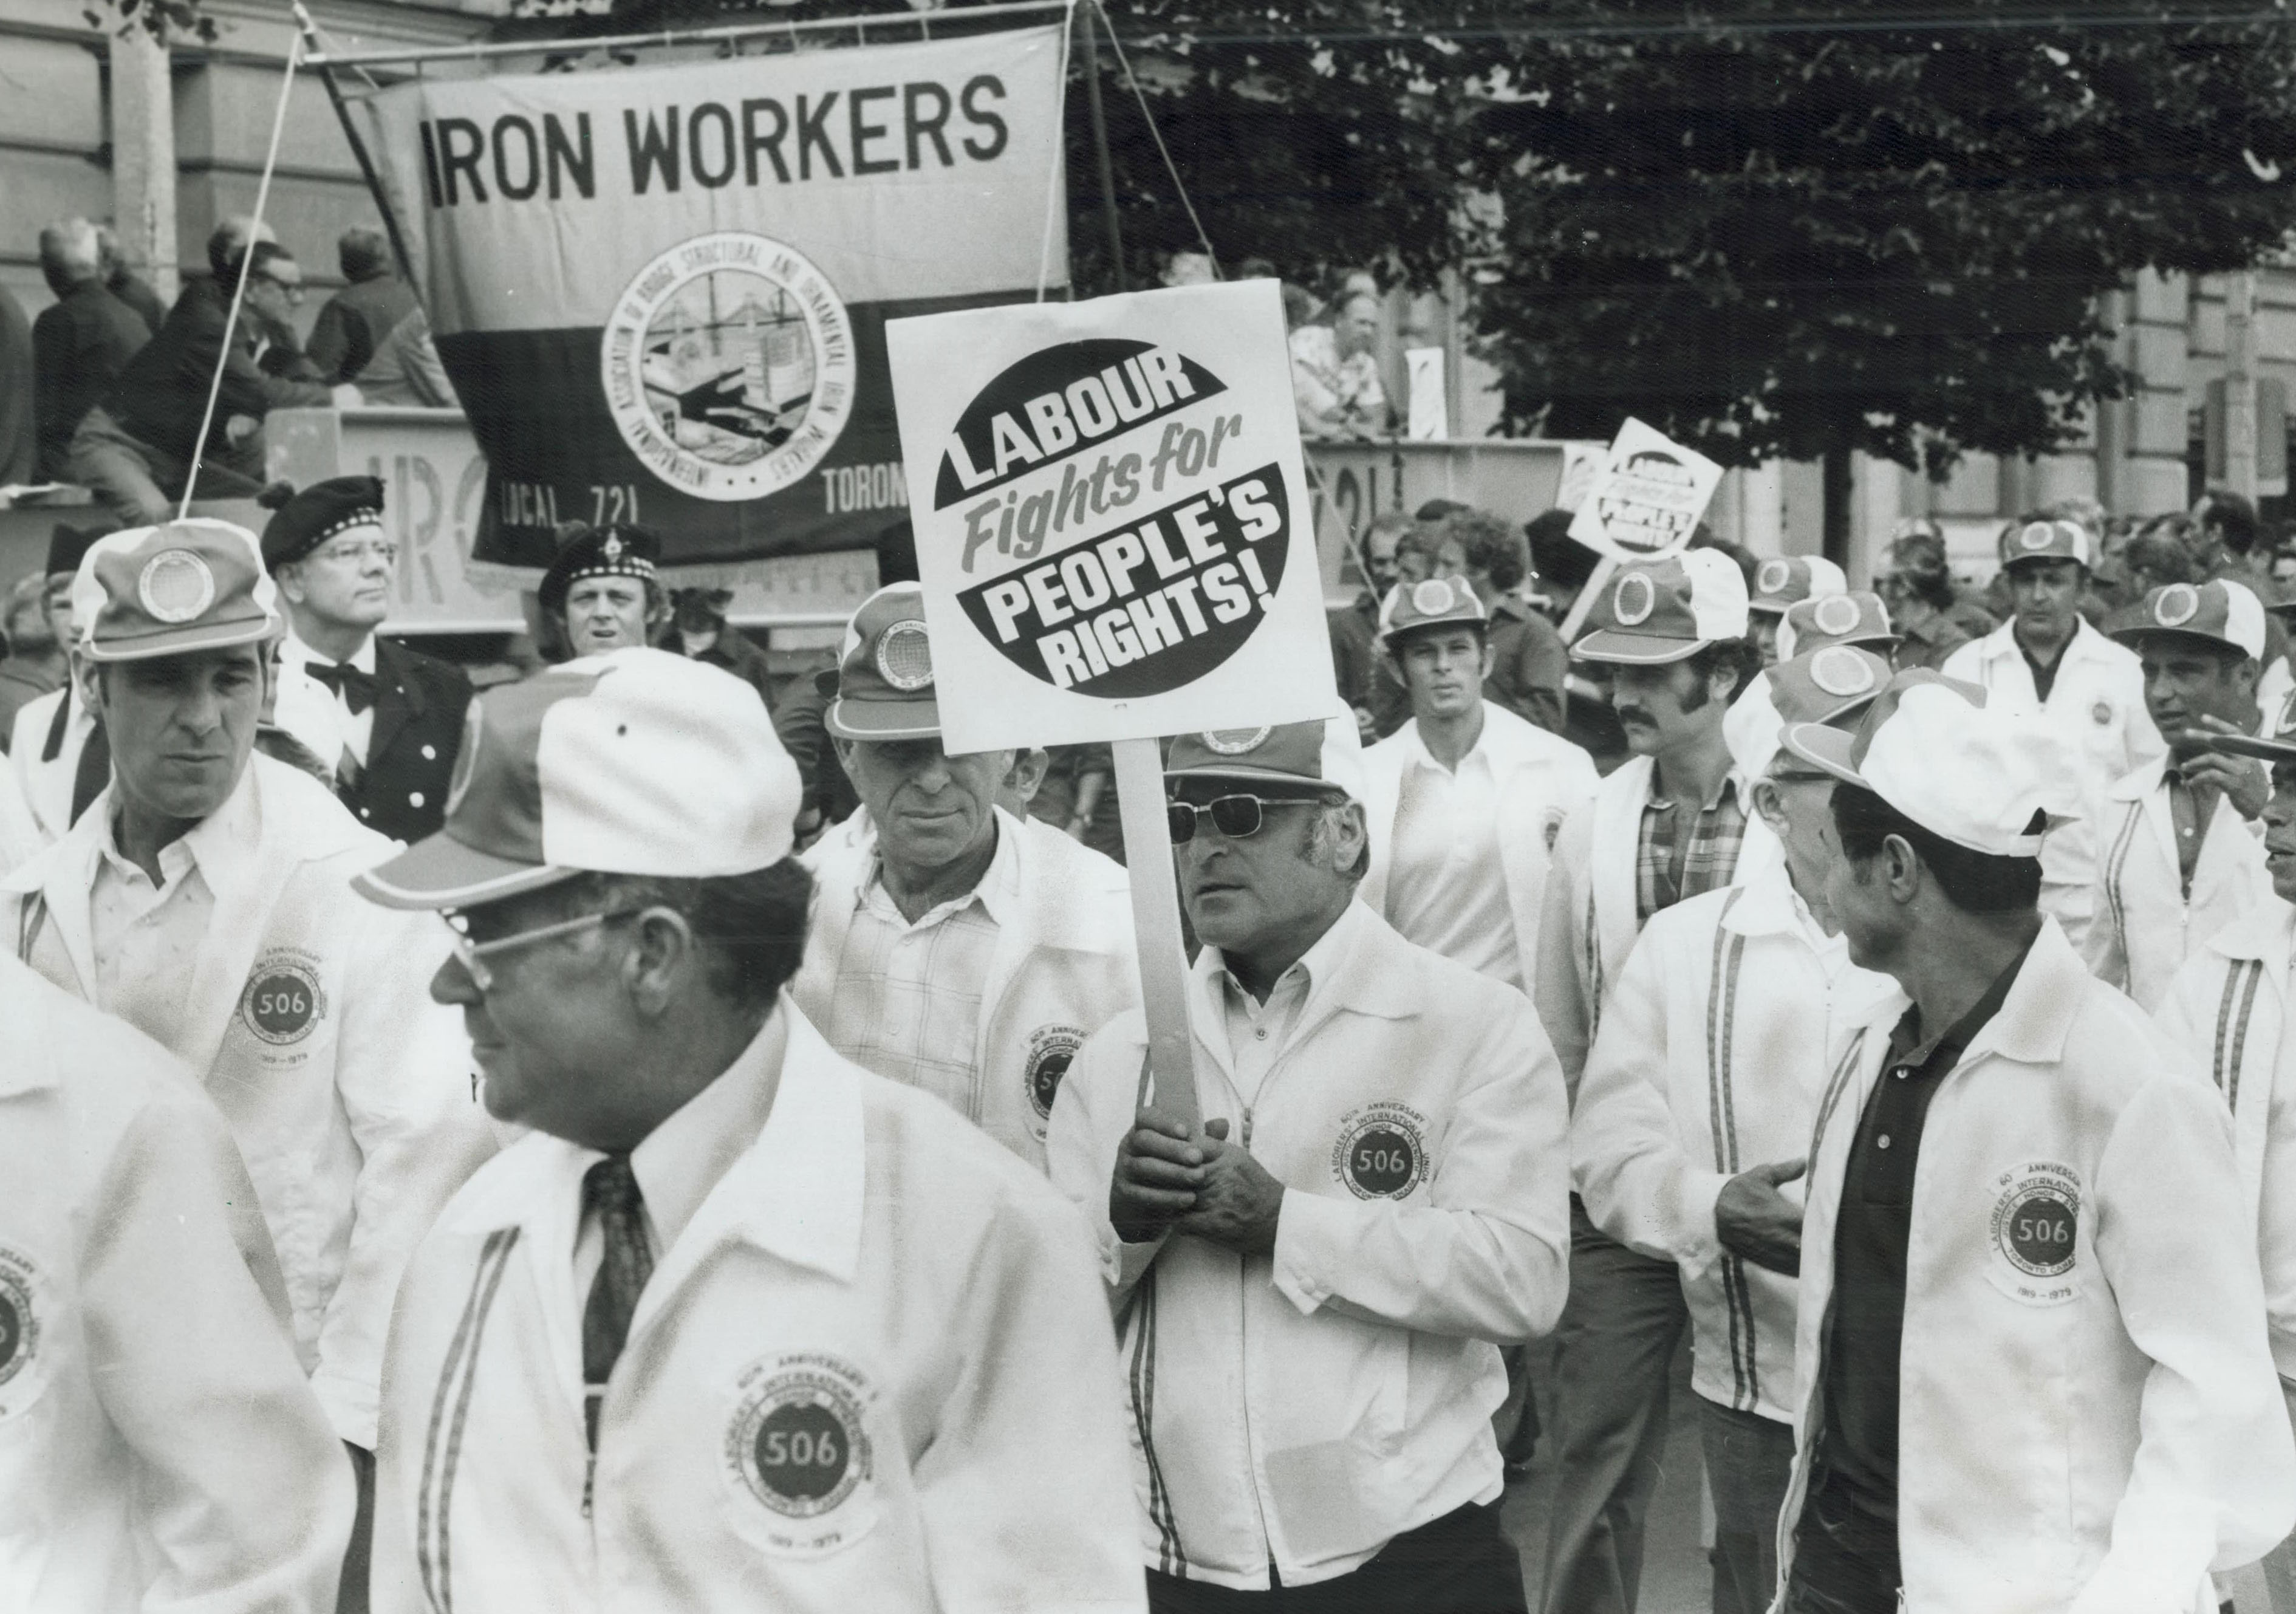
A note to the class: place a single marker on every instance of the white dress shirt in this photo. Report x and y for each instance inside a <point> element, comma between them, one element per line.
<point>353,730</point>
<point>1446,891</point>
<point>147,937</point>
<point>1257,1031</point>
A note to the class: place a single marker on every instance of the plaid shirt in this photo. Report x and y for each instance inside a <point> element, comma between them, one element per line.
<point>1670,867</point>
<point>907,1000</point>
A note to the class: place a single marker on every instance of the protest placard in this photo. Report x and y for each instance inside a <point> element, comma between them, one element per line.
<point>1641,499</point>
<point>1116,543</point>
<point>1645,496</point>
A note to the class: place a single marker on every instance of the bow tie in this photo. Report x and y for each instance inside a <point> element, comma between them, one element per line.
<point>356,688</point>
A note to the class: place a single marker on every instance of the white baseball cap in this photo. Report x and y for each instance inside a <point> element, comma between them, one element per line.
<point>1784,580</point>
<point>1830,684</point>
<point>2220,609</point>
<point>1303,757</point>
<point>1931,748</point>
<point>632,762</point>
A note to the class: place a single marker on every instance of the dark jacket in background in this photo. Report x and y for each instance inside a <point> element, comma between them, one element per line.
<point>355,322</point>
<point>79,346</point>
<point>419,703</point>
<point>159,396</point>
<point>20,442</point>
<point>138,295</point>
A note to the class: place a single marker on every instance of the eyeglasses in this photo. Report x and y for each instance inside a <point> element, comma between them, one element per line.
<point>1237,817</point>
<point>293,289</point>
<point>357,554</point>
<point>473,954</point>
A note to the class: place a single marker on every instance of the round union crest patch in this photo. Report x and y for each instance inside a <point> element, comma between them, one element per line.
<point>20,1319</point>
<point>1634,598</point>
<point>1835,614</point>
<point>797,1445</point>
<point>1052,1049</point>
<point>1381,1154</point>
<point>1773,577</point>
<point>2035,1228</point>
<point>728,365</point>
<point>282,1000</point>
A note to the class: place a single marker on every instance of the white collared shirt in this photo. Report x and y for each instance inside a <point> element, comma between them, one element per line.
<point>353,730</point>
<point>1258,1032</point>
<point>147,937</point>
<point>907,1002</point>
<point>680,1161</point>
<point>1447,890</point>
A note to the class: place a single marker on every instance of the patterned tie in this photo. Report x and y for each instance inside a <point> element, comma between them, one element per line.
<point>610,1192</point>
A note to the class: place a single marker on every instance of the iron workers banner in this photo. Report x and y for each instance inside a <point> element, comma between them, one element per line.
<point>1113,529</point>
<point>662,292</point>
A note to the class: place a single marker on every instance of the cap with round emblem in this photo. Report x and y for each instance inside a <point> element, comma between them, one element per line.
<point>885,671</point>
<point>1435,602</point>
<point>1300,758</point>
<point>1784,580</point>
<point>2048,540</point>
<point>1655,611</point>
<point>633,762</point>
<point>165,591</point>
<point>1855,617</point>
<point>2220,611</point>
<point>1828,685</point>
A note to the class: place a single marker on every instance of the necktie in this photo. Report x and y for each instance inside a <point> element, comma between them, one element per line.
<point>356,688</point>
<point>610,1192</point>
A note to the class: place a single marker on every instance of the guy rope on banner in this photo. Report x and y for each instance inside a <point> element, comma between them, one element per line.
<point>246,260</point>
<point>1156,133</point>
<point>1054,169</point>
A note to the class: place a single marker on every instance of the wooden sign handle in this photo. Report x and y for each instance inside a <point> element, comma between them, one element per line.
<point>1168,1082</point>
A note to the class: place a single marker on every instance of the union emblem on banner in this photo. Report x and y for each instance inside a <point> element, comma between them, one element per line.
<point>661,292</point>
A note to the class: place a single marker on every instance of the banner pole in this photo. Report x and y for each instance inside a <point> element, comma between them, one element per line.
<point>1156,928</point>
<point>1098,120</point>
<point>239,286</point>
<point>359,154</point>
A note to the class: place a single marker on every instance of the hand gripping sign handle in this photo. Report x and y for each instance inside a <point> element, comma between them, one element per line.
<point>1156,928</point>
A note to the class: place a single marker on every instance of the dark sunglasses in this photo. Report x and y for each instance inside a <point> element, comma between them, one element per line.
<point>1237,817</point>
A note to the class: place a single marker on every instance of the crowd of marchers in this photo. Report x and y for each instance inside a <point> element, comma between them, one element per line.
<point>635,1137</point>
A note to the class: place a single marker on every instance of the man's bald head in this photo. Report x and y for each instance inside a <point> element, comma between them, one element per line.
<point>69,254</point>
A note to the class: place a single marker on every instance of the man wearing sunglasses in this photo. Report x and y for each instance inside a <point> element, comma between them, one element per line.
<point>1674,822</point>
<point>835,1349</point>
<point>1314,1285</point>
<point>204,899</point>
<point>956,946</point>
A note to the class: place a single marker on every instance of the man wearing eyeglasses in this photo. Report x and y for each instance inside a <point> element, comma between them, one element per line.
<point>395,716</point>
<point>737,1325</point>
<point>135,448</point>
<point>204,899</point>
<point>1314,1285</point>
<point>956,946</point>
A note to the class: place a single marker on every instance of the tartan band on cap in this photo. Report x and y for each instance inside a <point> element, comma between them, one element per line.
<point>318,514</point>
<point>604,551</point>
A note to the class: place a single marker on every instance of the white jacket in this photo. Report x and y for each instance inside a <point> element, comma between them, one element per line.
<point>2097,698</point>
<point>158,1446</point>
<point>2228,1010</point>
<point>1303,1409</point>
<point>47,782</point>
<point>1588,923</point>
<point>1540,777</point>
<point>1056,978</point>
<point>2143,927</point>
<point>1711,1061</point>
<point>870,1278</point>
<point>2088,1436</point>
<point>354,1107</point>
